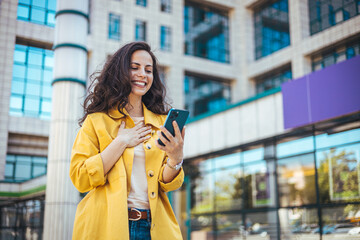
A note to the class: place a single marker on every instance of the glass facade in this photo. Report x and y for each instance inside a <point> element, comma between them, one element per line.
<point>165,38</point>
<point>140,30</point>
<point>206,32</point>
<point>114,26</point>
<point>274,80</point>
<point>271,28</point>
<point>37,11</point>
<point>22,219</point>
<point>20,168</point>
<point>166,5</point>
<point>31,89</point>
<point>296,187</point>
<point>141,3</point>
<point>336,55</point>
<point>327,13</point>
<point>203,94</point>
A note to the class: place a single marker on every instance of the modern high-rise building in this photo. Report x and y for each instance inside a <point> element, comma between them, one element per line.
<point>272,146</point>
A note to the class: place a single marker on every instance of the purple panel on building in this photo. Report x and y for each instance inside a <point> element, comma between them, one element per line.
<point>296,111</point>
<point>325,94</point>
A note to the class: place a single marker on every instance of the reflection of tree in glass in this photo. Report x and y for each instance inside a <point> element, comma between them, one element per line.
<point>225,191</point>
<point>339,170</point>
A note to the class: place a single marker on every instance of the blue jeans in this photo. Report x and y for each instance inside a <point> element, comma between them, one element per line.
<point>140,230</point>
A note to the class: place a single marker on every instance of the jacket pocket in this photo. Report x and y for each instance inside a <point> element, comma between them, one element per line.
<point>117,171</point>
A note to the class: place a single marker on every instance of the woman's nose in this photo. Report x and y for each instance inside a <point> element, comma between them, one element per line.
<point>141,73</point>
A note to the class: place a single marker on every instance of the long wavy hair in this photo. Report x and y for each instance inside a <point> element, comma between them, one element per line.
<point>111,86</point>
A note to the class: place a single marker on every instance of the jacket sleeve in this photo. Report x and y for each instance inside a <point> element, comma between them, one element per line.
<point>86,167</point>
<point>175,183</point>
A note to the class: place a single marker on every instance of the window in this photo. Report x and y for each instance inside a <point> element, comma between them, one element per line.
<point>259,179</point>
<point>114,26</point>
<point>21,168</point>
<point>203,94</point>
<point>303,222</point>
<point>335,55</point>
<point>31,89</point>
<point>37,11</point>
<point>165,6</point>
<point>141,3</point>
<point>271,28</point>
<point>22,218</point>
<point>140,31</point>
<point>227,182</point>
<point>296,179</point>
<point>206,32</point>
<point>325,14</point>
<point>338,169</point>
<point>273,81</point>
<point>165,38</point>
<point>286,188</point>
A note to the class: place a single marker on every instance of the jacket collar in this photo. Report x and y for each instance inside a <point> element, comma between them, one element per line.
<point>149,117</point>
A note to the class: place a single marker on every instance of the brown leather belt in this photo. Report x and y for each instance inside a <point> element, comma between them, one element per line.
<point>136,215</point>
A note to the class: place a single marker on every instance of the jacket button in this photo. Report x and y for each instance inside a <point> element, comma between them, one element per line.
<point>148,146</point>
<point>153,195</point>
<point>153,132</point>
<point>150,173</point>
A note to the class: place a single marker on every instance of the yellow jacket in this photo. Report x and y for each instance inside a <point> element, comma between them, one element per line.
<point>103,213</point>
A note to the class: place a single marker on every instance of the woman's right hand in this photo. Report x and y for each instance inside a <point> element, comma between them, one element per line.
<point>133,136</point>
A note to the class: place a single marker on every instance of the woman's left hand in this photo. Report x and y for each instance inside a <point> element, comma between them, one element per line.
<point>174,146</point>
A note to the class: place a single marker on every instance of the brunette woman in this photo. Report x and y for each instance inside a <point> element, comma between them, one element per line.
<point>116,156</point>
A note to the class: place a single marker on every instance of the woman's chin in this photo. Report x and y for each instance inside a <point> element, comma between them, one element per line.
<point>139,93</point>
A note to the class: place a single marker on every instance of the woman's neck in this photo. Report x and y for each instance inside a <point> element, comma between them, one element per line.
<point>134,107</point>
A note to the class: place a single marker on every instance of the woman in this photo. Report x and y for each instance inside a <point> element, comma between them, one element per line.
<point>116,155</point>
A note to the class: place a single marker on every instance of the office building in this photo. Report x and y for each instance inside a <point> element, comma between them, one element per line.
<point>272,146</point>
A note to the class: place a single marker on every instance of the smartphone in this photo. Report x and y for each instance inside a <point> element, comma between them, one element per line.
<point>178,115</point>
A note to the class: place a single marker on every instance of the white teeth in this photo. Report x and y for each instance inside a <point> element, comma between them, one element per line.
<point>139,83</point>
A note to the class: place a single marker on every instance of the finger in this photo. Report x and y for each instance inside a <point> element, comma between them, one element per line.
<point>162,138</point>
<point>177,129</point>
<point>138,125</point>
<point>159,146</point>
<point>183,133</point>
<point>144,129</point>
<point>142,139</point>
<point>167,133</point>
<point>144,133</point>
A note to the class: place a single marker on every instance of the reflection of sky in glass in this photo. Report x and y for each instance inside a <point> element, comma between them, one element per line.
<point>227,160</point>
<point>325,140</point>
<point>297,163</point>
<point>259,167</point>
<point>298,146</point>
<point>37,11</point>
<point>253,155</point>
<point>31,89</point>
<point>205,165</point>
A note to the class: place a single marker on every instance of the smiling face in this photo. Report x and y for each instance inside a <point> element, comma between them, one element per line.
<point>141,71</point>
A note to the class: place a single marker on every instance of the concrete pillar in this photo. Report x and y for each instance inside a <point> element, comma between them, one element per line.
<point>70,73</point>
<point>8,16</point>
<point>299,30</point>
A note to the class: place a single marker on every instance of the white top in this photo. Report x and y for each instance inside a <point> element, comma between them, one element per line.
<point>138,196</point>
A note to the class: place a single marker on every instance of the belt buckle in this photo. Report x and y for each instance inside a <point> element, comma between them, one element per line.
<point>137,212</point>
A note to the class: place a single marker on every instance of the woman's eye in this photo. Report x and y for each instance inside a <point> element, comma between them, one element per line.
<point>134,68</point>
<point>148,71</point>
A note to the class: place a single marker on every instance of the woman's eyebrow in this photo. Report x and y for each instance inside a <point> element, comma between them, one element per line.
<point>149,65</point>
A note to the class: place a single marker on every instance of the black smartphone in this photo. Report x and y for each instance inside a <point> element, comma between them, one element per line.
<point>178,115</point>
